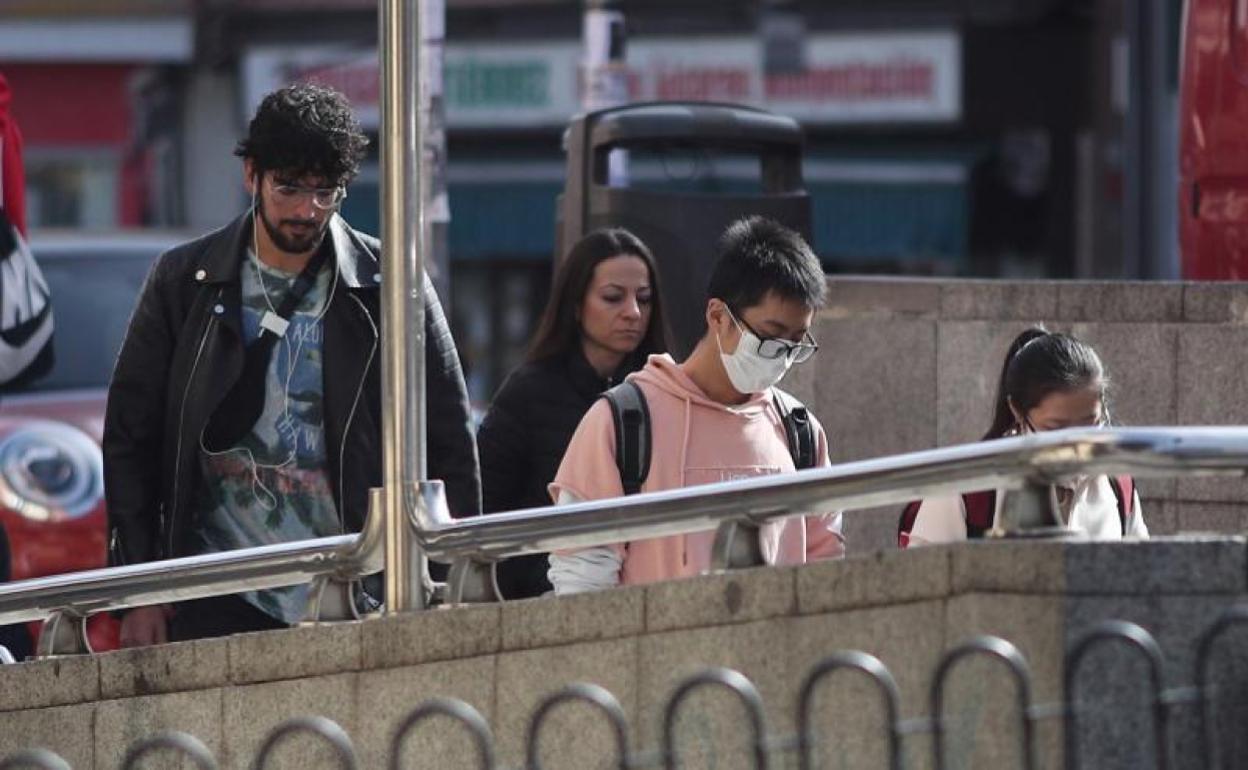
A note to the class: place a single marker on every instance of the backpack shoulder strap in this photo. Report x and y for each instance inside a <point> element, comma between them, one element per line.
<point>1124,491</point>
<point>631,416</point>
<point>906,522</point>
<point>981,509</point>
<point>799,429</point>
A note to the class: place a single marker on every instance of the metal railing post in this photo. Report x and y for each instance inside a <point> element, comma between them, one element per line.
<point>403,227</point>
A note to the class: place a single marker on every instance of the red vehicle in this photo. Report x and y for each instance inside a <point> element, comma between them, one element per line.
<point>1213,136</point>
<point>51,467</point>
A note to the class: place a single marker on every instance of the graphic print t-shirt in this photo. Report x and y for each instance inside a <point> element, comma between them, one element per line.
<point>273,487</point>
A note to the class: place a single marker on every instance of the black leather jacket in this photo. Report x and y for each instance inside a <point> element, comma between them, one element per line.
<point>183,352</point>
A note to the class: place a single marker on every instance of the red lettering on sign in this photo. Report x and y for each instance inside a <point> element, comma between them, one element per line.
<point>900,79</point>
<point>358,81</point>
<point>702,84</point>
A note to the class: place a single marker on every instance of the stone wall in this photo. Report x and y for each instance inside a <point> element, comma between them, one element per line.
<point>773,625</point>
<point>910,364</point>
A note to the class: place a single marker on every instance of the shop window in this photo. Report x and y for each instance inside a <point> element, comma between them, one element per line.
<point>494,310</point>
<point>78,190</point>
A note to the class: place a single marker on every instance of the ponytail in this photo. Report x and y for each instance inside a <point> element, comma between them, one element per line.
<point>1037,364</point>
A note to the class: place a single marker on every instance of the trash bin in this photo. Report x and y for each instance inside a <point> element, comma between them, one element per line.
<point>677,174</point>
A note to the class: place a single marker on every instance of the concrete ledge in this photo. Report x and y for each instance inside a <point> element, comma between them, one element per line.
<point>1216,302</point>
<point>174,667</point>
<point>999,300</point>
<point>999,566</point>
<point>55,682</point>
<point>444,634</point>
<point>1174,565</point>
<point>881,578</point>
<point>547,621</point>
<point>1119,301</point>
<point>328,648</point>
<point>716,600</point>
<point>881,297</point>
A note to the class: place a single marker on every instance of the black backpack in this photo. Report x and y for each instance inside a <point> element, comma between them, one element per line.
<point>632,432</point>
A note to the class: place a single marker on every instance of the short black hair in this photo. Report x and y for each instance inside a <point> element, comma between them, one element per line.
<point>305,129</point>
<point>757,256</point>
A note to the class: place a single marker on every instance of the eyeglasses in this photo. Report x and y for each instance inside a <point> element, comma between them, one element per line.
<point>775,347</point>
<point>324,198</point>
<point>1101,421</point>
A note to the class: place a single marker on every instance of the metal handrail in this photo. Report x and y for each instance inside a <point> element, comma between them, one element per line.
<point>1003,464</point>
<point>195,577</point>
<point>1007,464</point>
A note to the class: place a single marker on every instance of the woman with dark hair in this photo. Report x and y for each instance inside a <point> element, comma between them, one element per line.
<point>1048,381</point>
<point>604,318</point>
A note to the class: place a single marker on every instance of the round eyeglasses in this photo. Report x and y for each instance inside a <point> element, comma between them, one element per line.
<point>324,198</point>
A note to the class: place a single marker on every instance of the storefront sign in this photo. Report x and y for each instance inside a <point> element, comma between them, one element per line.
<point>898,77</point>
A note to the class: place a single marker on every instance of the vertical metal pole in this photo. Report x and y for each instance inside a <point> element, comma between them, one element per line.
<point>604,71</point>
<point>403,228</point>
<point>1149,227</point>
<point>433,181</point>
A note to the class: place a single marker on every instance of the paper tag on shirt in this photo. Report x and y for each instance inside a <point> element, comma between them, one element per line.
<point>274,323</point>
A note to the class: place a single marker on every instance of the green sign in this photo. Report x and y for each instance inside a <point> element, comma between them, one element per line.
<point>484,84</point>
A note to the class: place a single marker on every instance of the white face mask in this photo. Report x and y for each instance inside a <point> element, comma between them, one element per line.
<point>747,370</point>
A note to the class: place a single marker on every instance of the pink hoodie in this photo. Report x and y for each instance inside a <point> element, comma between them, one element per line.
<point>695,441</point>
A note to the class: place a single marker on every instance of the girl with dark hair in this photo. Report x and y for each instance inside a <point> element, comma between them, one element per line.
<point>604,318</point>
<point>1048,381</point>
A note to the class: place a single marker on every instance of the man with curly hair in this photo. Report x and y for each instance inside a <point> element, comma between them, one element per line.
<point>245,406</point>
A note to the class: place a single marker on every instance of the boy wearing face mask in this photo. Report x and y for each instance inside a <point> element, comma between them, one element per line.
<point>713,417</point>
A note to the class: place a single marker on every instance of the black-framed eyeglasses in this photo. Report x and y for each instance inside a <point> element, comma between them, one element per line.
<point>324,198</point>
<point>775,347</point>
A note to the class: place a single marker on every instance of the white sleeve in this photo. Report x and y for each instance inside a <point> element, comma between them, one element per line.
<point>939,520</point>
<point>588,569</point>
<point>1136,527</point>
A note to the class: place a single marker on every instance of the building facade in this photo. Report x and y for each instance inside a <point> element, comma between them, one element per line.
<point>948,138</point>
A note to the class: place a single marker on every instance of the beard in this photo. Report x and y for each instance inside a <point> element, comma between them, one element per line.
<point>305,238</point>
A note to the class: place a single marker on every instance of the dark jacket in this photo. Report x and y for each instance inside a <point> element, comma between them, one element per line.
<point>15,638</point>
<point>522,440</point>
<point>184,351</point>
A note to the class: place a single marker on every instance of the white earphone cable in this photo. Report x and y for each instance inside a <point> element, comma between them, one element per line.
<point>269,501</point>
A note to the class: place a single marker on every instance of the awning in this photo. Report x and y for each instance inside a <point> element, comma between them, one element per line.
<point>884,211</point>
<point>168,39</point>
<point>890,211</point>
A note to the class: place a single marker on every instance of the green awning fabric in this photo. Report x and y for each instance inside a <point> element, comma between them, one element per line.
<point>507,220</point>
<point>864,213</point>
<point>489,220</point>
<point>865,222</point>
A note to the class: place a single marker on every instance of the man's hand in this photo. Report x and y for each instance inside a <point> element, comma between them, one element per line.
<point>144,626</point>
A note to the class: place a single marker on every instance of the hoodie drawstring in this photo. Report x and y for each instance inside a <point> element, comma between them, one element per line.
<point>684,442</point>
